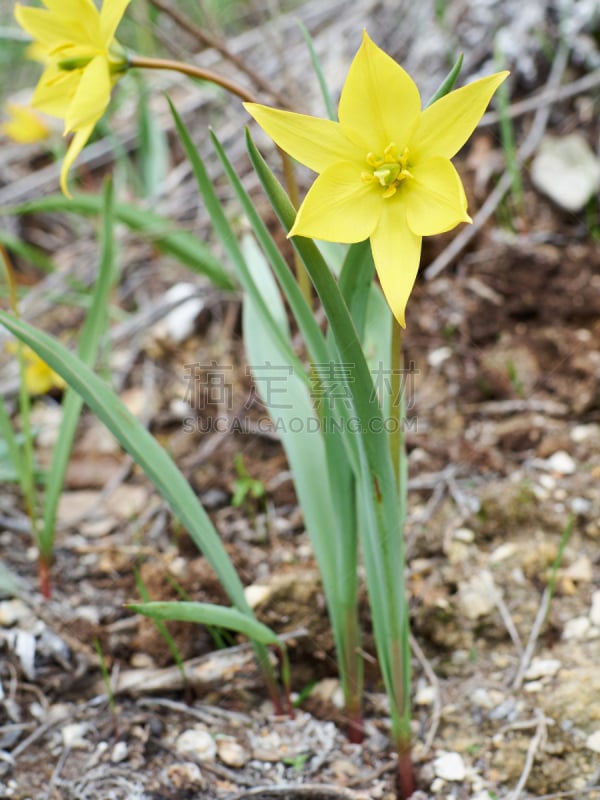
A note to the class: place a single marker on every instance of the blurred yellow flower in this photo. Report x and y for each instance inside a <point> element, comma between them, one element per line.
<point>384,169</point>
<point>24,125</point>
<point>83,63</point>
<point>38,376</point>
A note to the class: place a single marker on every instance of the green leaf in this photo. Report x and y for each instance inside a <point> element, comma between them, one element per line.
<point>93,329</point>
<point>136,440</point>
<point>27,251</point>
<point>380,522</point>
<point>448,83</point>
<point>208,614</point>
<point>316,64</point>
<point>178,243</point>
<point>224,232</point>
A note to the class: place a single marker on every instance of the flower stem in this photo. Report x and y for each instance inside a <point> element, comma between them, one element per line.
<point>192,71</point>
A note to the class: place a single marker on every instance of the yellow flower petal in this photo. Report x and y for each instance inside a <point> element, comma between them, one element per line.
<point>75,147</point>
<point>435,198</point>
<point>352,207</point>
<point>55,90</point>
<point>446,125</point>
<point>24,125</point>
<point>380,102</point>
<point>77,15</point>
<point>47,28</point>
<point>110,17</point>
<point>396,253</point>
<point>92,96</point>
<point>317,143</point>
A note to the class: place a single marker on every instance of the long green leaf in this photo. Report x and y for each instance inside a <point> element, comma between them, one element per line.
<point>323,506</point>
<point>208,614</point>
<point>226,234</point>
<point>180,244</point>
<point>381,529</point>
<point>92,331</point>
<point>136,440</point>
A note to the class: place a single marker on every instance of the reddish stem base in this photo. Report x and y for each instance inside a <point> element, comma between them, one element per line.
<point>405,778</point>
<point>44,578</point>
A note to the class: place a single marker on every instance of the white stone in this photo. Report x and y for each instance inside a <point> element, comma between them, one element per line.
<point>542,668</point>
<point>178,323</point>
<point>196,743</point>
<point>119,753</point>
<point>566,170</point>
<point>562,463</point>
<point>576,629</point>
<point>476,597</point>
<point>580,570</point>
<point>73,736</point>
<point>450,767</point>
<point>464,535</point>
<point>425,696</point>
<point>13,611</point>
<point>581,433</point>
<point>580,505</point>
<point>437,357</point>
<point>593,741</point>
<point>595,609</point>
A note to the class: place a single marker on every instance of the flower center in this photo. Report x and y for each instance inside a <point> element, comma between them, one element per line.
<point>388,170</point>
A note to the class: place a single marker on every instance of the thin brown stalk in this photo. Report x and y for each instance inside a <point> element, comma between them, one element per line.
<point>209,40</point>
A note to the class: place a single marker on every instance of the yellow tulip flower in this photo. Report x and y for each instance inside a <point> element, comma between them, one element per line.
<point>83,63</point>
<point>24,125</point>
<point>38,376</point>
<point>384,168</point>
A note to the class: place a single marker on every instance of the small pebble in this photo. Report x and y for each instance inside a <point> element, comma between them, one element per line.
<point>425,696</point>
<point>576,628</point>
<point>120,752</point>
<point>593,742</point>
<point>580,505</point>
<point>186,775</point>
<point>231,752</point>
<point>450,767</point>
<point>595,609</point>
<point>196,743</point>
<point>542,668</point>
<point>562,463</point>
<point>73,736</point>
<point>437,357</point>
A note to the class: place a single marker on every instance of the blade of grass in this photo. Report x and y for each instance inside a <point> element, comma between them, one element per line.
<point>93,329</point>
<point>180,244</point>
<point>382,541</point>
<point>316,64</point>
<point>151,457</point>
<point>208,614</point>
<point>226,235</point>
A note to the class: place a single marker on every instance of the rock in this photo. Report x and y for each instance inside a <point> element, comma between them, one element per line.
<point>542,668</point>
<point>13,611</point>
<point>561,462</point>
<point>231,752</point>
<point>476,597</point>
<point>595,609</point>
<point>580,570</point>
<point>73,736</point>
<point>593,741</point>
<point>196,743</point>
<point>186,776</point>
<point>425,696</point>
<point>179,323</point>
<point>566,170</point>
<point>119,753</point>
<point>450,767</point>
<point>576,629</point>
<point>437,357</point>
